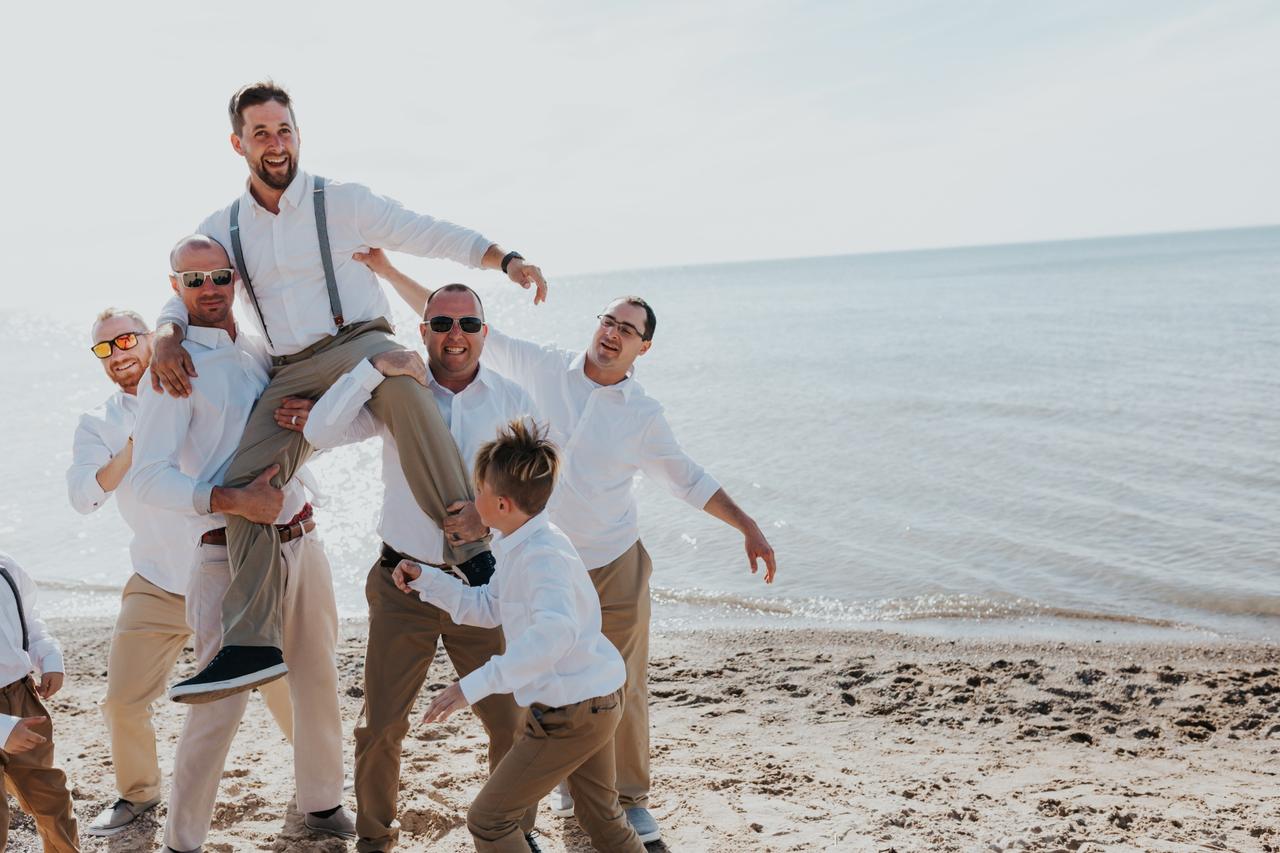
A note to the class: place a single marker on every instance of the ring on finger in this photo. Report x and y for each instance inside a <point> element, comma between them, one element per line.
<point>294,420</point>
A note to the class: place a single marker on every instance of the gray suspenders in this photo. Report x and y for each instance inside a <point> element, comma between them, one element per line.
<point>17,599</point>
<point>326,258</point>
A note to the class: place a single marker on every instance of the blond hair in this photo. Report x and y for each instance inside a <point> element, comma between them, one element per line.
<point>520,464</point>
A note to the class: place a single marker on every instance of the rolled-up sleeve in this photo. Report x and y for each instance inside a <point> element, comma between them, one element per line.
<point>157,480</point>
<point>88,454</point>
<point>662,459</point>
<point>387,224</point>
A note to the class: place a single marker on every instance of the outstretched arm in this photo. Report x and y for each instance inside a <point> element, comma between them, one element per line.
<point>758,548</point>
<point>415,295</point>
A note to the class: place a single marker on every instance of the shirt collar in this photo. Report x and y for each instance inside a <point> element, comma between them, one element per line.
<point>293,194</point>
<point>484,377</point>
<point>504,545</point>
<point>625,387</point>
<point>209,337</point>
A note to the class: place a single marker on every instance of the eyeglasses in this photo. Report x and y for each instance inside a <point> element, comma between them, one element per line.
<point>195,278</point>
<point>129,340</point>
<point>443,324</point>
<point>625,329</point>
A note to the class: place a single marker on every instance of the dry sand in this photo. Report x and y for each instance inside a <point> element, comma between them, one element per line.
<point>809,740</point>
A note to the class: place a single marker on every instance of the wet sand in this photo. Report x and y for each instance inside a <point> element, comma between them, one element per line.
<point>813,740</point>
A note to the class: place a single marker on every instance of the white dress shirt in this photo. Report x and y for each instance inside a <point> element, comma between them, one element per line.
<point>549,611</point>
<point>282,257</point>
<point>160,550</point>
<point>45,654</point>
<point>474,415</point>
<point>183,445</point>
<point>606,434</point>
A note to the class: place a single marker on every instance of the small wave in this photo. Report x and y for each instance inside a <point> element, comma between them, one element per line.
<point>61,585</point>
<point>897,609</point>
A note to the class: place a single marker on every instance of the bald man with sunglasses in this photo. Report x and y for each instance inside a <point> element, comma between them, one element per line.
<point>151,629</point>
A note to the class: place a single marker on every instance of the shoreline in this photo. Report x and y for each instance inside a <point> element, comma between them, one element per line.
<point>802,739</point>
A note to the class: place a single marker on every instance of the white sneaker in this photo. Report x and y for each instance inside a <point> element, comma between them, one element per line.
<point>562,801</point>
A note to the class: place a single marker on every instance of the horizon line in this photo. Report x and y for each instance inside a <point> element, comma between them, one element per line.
<point>921,249</point>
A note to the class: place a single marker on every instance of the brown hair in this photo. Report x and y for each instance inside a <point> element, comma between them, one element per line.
<point>520,464</point>
<point>253,94</point>
<point>650,319</point>
<point>453,288</point>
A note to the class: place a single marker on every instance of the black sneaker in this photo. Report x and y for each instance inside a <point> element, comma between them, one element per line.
<point>478,569</point>
<point>232,670</point>
<point>533,845</point>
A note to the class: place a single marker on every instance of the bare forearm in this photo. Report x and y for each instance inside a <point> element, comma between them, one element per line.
<point>723,507</point>
<point>493,256</point>
<point>413,293</point>
<point>110,475</point>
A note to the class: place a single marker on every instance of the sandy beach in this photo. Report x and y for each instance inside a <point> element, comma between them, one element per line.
<point>814,740</point>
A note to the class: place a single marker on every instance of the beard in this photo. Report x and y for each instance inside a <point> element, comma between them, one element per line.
<point>129,378</point>
<point>276,183</point>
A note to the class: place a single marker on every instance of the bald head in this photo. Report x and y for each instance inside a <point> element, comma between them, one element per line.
<point>198,252</point>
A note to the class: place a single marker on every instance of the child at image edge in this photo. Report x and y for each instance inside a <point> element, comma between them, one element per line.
<point>557,664</point>
<point>26,735</point>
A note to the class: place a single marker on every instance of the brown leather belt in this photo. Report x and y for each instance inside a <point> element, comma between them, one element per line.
<point>300,524</point>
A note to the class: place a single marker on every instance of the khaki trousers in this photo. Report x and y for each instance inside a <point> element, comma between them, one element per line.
<point>572,742</point>
<point>310,643</point>
<point>30,776</point>
<point>403,633</point>
<point>428,454</point>
<point>150,633</point>
<point>623,587</point>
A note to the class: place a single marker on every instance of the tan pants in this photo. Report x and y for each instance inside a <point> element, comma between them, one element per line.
<point>428,454</point>
<point>623,587</point>
<point>30,776</point>
<point>572,742</point>
<point>403,632</point>
<point>150,633</point>
<point>310,643</point>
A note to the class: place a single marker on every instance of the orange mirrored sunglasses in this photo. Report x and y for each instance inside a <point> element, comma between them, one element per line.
<point>129,340</point>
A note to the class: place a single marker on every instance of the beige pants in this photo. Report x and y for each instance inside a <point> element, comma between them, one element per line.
<point>572,742</point>
<point>150,633</point>
<point>428,454</point>
<point>310,643</point>
<point>41,788</point>
<point>403,632</point>
<point>623,587</point>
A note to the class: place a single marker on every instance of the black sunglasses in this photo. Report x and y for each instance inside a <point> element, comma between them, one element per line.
<point>443,324</point>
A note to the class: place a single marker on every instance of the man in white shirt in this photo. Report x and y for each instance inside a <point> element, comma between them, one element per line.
<point>609,430</point>
<point>151,629</point>
<point>184,446</point>
<point>403,633</point>
<point>26,735</point>
<point>291,237</point>
<point>557,663</point>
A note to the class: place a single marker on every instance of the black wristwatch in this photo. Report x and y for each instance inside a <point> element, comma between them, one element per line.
<point>508,258</point>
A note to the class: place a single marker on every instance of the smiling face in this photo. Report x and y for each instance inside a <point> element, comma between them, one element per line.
<point>269,143</point>
<point>209,304</point>
<point>454,356</point>
<point>123,367</point>
<point>618,340</point>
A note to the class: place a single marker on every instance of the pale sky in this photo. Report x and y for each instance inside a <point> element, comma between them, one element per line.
<point>597,136</point>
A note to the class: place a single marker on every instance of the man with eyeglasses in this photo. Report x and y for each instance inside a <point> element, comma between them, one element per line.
<point>292,237</point>
<point>151,628</point>
<point>184,447</point>
<point>609,430</point>
<point>403,632</point>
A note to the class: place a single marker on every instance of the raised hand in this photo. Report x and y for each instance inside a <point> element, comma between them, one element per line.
<point>527,275</point>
